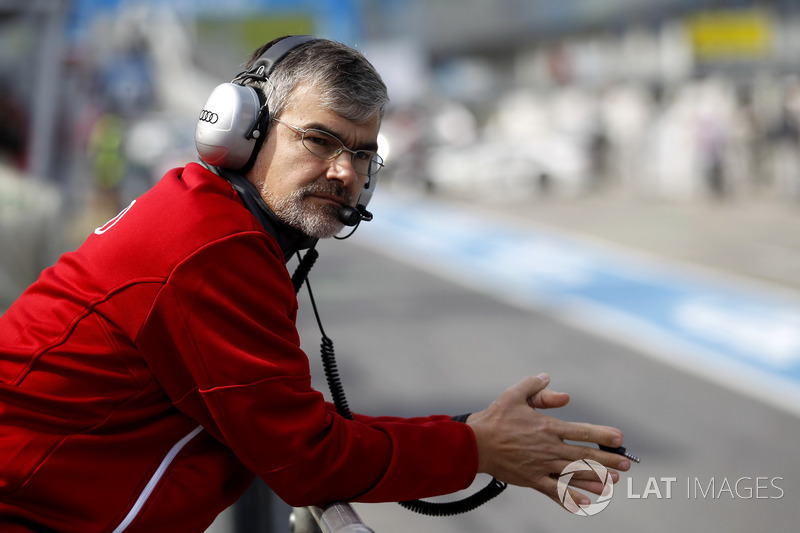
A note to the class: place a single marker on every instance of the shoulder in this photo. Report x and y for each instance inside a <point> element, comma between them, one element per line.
<point>195,200</point>
<point>189,209</point>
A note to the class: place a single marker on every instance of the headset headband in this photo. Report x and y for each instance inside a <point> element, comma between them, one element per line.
<point>263,66</point>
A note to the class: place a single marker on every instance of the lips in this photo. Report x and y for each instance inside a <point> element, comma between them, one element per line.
<point>338,200</point>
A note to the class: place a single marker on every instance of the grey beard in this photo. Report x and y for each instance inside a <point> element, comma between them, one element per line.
<point>320,221</point>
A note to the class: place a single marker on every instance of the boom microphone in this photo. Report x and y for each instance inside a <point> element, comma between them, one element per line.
<point>350,216</point>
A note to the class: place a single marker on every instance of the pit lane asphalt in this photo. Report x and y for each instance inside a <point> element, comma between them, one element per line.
<point>413,340</point>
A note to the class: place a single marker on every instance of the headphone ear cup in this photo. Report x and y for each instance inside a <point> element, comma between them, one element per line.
<point>226,130</point>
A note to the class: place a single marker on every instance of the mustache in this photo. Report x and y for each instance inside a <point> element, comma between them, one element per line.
<point>326,187</point>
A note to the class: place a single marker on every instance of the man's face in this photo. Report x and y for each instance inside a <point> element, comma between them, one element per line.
<point>304,190</point>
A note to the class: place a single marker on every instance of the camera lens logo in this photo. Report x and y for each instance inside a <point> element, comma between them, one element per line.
<point>209,116</point>
<point>605,496</point>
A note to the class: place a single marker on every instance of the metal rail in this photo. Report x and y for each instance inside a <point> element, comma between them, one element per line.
<point>335,518</point>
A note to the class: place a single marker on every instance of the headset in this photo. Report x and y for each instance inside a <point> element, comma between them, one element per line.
<point>235,120</point>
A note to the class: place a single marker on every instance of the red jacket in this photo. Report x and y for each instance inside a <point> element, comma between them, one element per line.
<point>147,376</point>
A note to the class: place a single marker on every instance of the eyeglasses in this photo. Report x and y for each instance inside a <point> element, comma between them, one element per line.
<point>326,146</point>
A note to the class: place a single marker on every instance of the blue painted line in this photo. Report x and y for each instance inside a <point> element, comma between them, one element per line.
<point>732,325</point>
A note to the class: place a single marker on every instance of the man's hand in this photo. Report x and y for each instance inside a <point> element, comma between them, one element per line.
<point>522,446</point>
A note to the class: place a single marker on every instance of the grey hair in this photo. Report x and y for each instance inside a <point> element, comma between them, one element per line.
<point>346,82</point>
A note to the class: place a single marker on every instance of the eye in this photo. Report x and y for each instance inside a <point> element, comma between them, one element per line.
<point>321,139</point>
<point>363,156</point>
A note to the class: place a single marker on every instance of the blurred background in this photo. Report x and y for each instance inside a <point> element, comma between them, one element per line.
<point>606,190</point>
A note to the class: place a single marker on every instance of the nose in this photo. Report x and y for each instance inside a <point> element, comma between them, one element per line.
<point>341,169</point>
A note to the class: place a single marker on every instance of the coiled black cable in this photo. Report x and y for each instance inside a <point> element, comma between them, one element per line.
<point>332,375</point>
<point>493,489</point>
<point>328,355</point>
<point>303,268</point>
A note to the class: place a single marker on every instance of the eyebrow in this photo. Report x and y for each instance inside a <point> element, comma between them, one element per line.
<point>368,146</point>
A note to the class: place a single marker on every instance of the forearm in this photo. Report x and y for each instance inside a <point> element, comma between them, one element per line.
<point>383,460</point>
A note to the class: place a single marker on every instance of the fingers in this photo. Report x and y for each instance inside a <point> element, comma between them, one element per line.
<point>529,387</point>
<point>582,432</point>
<point>579,433</point>
<point>609,460</point>
<point>548,399</point>
<point>538,396</point>
<point>579,483</point>
<point>549,486</point>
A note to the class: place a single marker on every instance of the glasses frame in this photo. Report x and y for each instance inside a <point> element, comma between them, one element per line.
<point>376,160</point>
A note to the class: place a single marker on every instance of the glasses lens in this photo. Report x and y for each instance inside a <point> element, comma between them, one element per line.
<point>326,146</point>
<point>366,163</point>
<point>322,144</point>
<point>375,164</point>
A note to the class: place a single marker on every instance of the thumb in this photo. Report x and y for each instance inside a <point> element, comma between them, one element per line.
<point>530,386</point>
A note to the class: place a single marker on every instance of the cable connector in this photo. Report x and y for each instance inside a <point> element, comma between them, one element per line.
<point>619,451</point>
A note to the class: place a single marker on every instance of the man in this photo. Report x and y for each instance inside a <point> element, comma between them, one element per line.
<point>148,376</point>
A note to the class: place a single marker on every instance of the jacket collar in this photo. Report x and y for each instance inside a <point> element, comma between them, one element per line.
<point>289,239</point>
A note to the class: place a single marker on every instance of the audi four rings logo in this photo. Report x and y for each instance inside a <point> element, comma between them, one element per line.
<point>209,116</point>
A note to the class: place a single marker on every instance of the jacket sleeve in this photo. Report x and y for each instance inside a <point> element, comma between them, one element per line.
<point>222,341</point>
